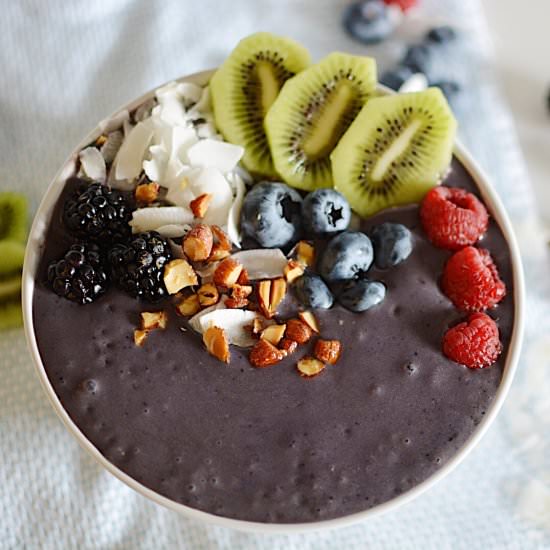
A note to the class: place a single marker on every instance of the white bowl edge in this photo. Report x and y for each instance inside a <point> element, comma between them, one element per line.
<point>32,257</point>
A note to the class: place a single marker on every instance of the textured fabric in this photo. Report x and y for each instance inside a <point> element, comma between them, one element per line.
<point>66,65</point>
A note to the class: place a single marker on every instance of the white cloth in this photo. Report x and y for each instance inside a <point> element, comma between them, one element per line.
<point>66,65</point>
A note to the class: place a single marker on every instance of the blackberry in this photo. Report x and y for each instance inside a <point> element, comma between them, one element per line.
<point>80,275</point>
<point>98,214</point>
<point>138,266</point>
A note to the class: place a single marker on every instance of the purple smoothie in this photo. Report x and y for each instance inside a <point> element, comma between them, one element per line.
<point>264,444</point>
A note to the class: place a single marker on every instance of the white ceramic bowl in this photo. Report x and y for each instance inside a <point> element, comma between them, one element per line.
<point>36,237</point>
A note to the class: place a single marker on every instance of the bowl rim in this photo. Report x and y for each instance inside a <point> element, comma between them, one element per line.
<point>32,255</point>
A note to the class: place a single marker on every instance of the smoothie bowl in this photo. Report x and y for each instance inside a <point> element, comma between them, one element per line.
<point>273,297</point>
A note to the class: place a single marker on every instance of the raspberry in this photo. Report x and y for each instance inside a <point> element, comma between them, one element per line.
<point>474,343</point>
<point>405,5</point>
<point>471,281</point>
<point>453,218</point>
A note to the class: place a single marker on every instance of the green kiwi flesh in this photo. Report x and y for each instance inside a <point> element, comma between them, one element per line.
<point>12,254</point>
<point>244,88</point>
<point>398,148</point>
<point>312,112</point>
<point>13,216</point>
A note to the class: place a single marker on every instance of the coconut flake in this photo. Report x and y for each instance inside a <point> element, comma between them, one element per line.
<point>194,322</point>
<point>215,154</point>
<point>210,180</point>
<point>170,108</point>
<point>150,219</point>
<point>204,104</point>
<point>114,123</point>
<point>234,322</point>
<point>154,167</point>
<point>173,230</point>
<point>145,109</point>
<point>93,163</point>
<point>132,151</point>
<point>262,263</point>
<point>111,147</point>
<point>206,273</point>
<point>415,83</point>
<point>179,190</point>
<point>190,93</point>
<point>233,225</point>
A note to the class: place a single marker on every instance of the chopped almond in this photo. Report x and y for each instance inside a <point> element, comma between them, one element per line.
<point>328,351</point>
<point>273,333</point>
<point>216,343</point>
<point>147,192</point>
<point>179,274</point>
<point>270,295</point>
<point>309,366</point>
<point>239,296</point>
<point>221,237</point>
<point>200,205</point>
<point>243,277</point>
<point>140,336</point>
<point>264,354</point>
<point>293,270</point>
<point>305,253</point>
<point>101,140</point>
<point>189,305</point>
<point>227,273</point>
<point>309,319</point>
<point>236,303</point>
<point>197,244</point>
<point>208,295</point>
<point>153,319</point>
<point>298,331</point>
<point>288,345</point>
<point>218,253</point>
<point>242,291</point>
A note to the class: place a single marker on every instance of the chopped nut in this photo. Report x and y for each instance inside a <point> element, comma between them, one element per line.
<point>242,291</point>
<point>243,277</point>
<point>216,343</point>
<point>309,366</point>
<point>189,306</point>
<point>147,192</point>
<point>153,319</point>
<point>218,253</point>
<point>328,351</point>
<point>227,273</point>
<point>101,140</point>
<point>200,205</point>
<point>309,319</point>
<point>208,295</point>
<point>293,270</point>
<point>197,244</point>
<point>264,354</point>
<point>239,296</point>
<point>257,325</point>
<point>298,331</point>
<point>270,295</point>
<point>221,237</point>
<point>179,274</point>
<point>305,253</point>
<point>273,333</point>
<point>236,303</point>
<point>140,336</point>
<point>288,345</point>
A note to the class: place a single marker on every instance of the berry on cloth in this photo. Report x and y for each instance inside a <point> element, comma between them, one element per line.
<point>80,275</point>
<point>474,343</point>
<point>453,218</point>
<point>368,21</point>
<point>471,280</point>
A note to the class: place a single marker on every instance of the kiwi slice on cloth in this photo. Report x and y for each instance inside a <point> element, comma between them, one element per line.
<point>245,87</point>
<point>11,256</point>
<point>398,148</point>
<point>13,216</point>
<point>311,114</point>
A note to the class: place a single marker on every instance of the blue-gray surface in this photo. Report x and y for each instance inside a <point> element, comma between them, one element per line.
<point>67,65</point>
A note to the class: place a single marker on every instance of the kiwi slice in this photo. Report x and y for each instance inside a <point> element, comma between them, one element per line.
<point>398,147</point>
<point>13,216</point>
<point>244,88</point>
<point>11,315</point>
<point>11,256</point>
<point>311,114</point>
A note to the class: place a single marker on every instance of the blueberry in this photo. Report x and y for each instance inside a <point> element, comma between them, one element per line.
<point>368,21</point>
<point>271,214</point>
<point>450,88</point>
<point>325,211</point>
<point>312,291</point>
<point>417,58</point>
<point>392,244</point>
<point>397,77</point>
<point>347,256</point>
<point>362,294</point>
<point>441,35</point>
